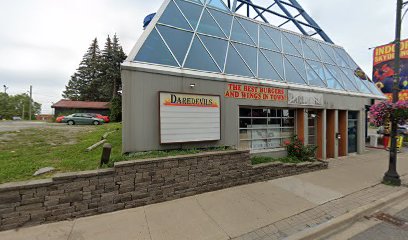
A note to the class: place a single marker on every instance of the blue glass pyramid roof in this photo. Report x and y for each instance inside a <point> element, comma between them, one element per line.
<point>205,35</point>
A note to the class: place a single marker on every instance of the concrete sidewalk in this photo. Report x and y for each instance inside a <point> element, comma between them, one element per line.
<point>256,211</point>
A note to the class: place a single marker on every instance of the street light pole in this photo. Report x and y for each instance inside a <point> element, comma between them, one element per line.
<point>391,176</point>
<point>31,102</point>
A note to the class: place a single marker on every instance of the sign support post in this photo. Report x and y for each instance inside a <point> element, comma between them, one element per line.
<point>391,176</point>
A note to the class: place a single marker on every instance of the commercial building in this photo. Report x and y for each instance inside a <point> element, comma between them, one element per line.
<point>65,107</point>
<point>203,76</point>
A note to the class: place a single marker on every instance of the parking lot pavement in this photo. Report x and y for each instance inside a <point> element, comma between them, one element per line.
<point>395,230</point>
<point>11,126</point>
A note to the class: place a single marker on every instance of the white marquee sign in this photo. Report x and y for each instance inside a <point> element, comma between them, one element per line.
<point>189,118</point>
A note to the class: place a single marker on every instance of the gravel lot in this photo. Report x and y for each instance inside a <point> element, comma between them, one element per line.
<point>12,126</point>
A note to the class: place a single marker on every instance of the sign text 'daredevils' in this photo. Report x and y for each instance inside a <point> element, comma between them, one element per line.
<point>255,92</point>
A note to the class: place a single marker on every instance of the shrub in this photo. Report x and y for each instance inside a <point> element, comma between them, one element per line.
<point>297,149</point>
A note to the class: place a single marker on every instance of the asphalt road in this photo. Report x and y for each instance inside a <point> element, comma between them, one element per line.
<point>385,230</point>
<point>11,126</point>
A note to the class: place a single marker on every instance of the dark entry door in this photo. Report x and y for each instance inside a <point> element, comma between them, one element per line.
<point>352,131</point>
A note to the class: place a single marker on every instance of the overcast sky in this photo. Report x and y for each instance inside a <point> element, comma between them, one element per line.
<point>43,41</point>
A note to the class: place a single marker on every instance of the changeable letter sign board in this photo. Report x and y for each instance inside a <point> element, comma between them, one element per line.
<point>189,118</point>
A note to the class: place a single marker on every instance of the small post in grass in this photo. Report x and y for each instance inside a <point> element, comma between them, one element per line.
<point>107,147</point>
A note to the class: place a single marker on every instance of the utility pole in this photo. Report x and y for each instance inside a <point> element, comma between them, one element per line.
<point>391,176</point>
<point>22,114</point>
<point>29,106</point>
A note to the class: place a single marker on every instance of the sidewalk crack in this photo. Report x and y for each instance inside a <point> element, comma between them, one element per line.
<point>72,229</point>
<point>211,218</point>
<point>147,222</point>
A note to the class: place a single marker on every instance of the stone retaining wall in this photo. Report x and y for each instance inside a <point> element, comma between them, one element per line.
<point>132,184</point>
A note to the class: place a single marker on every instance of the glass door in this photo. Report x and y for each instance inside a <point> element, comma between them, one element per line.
<point>352,131</point>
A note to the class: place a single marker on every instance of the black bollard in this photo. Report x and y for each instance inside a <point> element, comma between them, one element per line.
<point>107,147</point>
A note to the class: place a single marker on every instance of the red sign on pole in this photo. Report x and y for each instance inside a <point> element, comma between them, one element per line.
<point>383,71</point>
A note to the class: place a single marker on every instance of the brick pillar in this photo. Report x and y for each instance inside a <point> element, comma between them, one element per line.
<point>331,133</point>
<point>321,134</point>
<point>343,132</point>
<point>300,123</point>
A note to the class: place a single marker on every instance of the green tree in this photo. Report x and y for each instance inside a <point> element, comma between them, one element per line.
<point>112,57</point>
<point>108,71</point>
<point>118,56</point>
<point>17,105</point>
<point>83,85</point>
<point>98,76</point>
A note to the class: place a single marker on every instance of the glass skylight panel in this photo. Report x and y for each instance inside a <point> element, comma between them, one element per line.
<point>291,75</point>
<point>332,82</point>
<point>197,1</point>
<point>357,81</point>
<point>177,40</point>
<point>251,28</point>
<point>352,64</point>
<point>239,34</point>
<point>328,49</point>
<point>340,60</point>
<point>296,41</point>
<point>191,11</point>
<point>218,4</point>
<point>348,83</point>
<point>173,17</point>
<point>265,41</point>
<point>199,58</point>
<point>342,53</point>
<point>275,35</point>
<point>309,53</point>
<point>299,65</point>
<point>326,56</point>
<point>373,88</point>
<point>314,46</point>
<point>315,73</point>
<point>252,50</point>
<point>249,54</point>
<point>362,87</point>
<point>223,19</point>
<point>235,64</point>
<point>155,51</point>
<point>288,47</point>
<point>336,74</point>
<point>209,26</point>
<point>265,69</point>
<point>276,59</point>
<point>217,48</point>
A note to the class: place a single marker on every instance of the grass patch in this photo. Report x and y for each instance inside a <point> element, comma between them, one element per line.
<point>262,159</point>
<point>60,146</point>
<point>63,147</point>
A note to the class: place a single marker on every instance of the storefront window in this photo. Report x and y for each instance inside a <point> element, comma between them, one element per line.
<point>265,128</point>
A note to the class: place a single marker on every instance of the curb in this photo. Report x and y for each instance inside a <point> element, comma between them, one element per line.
<point>336,223</point>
